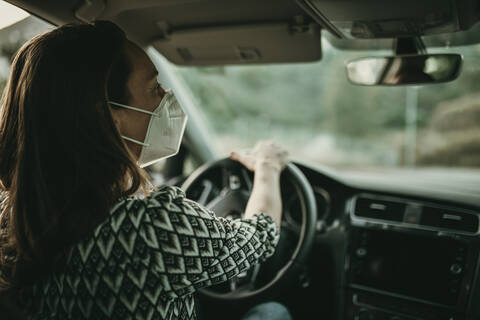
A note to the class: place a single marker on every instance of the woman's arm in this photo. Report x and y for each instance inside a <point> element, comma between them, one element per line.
<point>267,160</point>
<point>186,247</point>
<point>265,195</point>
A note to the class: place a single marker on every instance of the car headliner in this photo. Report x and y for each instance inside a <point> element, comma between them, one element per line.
<point>142,20</point>
<point>138,18</point>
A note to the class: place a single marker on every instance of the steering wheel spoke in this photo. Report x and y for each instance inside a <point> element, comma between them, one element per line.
<point>248,180</point>
<point>207,187</point>
<point>214,201</point>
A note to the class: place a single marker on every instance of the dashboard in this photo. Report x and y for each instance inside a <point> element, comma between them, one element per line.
<point>388,245</point>
<point>403,249</point>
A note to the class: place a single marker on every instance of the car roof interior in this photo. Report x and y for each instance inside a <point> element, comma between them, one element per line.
<point>219,32</point>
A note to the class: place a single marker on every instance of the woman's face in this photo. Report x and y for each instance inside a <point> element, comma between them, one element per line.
<point>144,92</point>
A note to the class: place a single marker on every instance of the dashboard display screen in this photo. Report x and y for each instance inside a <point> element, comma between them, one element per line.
<point>415,266</point>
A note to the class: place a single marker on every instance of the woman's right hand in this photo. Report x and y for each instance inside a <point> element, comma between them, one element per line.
<point>267,159</point>
<point>265,153</point>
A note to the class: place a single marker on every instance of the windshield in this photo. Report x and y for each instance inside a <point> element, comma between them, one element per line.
<point>314,111</point>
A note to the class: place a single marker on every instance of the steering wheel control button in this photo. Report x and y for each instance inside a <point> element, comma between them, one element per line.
<point>234,182</point>
<point>361,252</point>
<point>456,268</point>
<point>413,214</point>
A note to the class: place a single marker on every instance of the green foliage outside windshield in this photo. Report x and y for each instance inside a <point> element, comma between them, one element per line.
<point>316,112</point>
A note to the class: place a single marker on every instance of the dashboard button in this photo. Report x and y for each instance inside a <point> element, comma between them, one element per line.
<point>456,268</point>
<point>413,214</point>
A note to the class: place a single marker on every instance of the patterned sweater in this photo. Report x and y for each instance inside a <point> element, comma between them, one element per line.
<point>149,257</point>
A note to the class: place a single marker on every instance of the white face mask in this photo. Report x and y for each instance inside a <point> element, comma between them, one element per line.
<point>165,130</point>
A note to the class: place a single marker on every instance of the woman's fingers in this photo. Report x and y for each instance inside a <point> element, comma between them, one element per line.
<point>263,151</point>
<point>234,156</point>
<point>244,158</point>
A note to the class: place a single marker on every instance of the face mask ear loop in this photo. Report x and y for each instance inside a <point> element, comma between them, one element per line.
<point>131,108</point>
<point>136,141</point>
<point>135,109</point>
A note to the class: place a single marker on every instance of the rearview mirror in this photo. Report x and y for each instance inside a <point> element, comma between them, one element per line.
<point>404,70</point>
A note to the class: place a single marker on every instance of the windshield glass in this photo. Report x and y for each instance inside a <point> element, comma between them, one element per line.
<point>314,111</point>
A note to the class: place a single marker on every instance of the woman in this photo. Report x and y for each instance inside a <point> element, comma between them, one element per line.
<point>83,234</point>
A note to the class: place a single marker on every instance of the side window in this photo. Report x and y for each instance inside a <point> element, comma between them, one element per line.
<point>174,170</point>
<point>190,165</point>
<point>156,172</point>
<point>16,28</point>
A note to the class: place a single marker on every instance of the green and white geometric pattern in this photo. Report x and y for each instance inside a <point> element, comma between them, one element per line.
<point>148,258</point>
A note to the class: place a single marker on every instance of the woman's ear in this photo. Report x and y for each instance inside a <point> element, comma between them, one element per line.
<point>117,116</point>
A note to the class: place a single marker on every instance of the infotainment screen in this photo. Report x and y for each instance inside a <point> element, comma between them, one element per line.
<point>427,268</point>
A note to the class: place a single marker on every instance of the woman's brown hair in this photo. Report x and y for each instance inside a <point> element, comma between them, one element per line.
<point>63,163</point>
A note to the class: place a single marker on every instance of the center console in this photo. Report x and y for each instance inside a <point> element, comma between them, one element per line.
<point>408,260</point>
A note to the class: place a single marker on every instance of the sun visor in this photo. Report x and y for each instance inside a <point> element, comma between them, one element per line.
<point>245,44</point>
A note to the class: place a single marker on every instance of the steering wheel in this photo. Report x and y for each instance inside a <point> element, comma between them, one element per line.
<point>224,186</point>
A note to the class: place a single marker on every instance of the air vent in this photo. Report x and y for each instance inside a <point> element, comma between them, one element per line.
<point>379,209</point>
<point>414,214</point>
<point>449,219</point>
